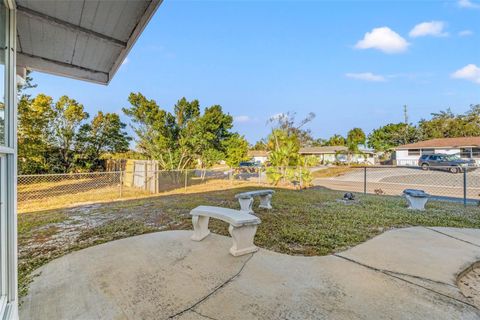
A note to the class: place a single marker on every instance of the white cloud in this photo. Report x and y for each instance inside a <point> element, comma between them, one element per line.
<point>468,4</point>
<point>242,119</point>
<point>432,28</point>
<point>125,61</point>
<point>383,39</point>
<point>465,33</point>
<point>470,72</point>
<point>366,76</point>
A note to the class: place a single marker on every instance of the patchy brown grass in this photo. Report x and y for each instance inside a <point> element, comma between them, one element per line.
<point>332,172</point>
<point>108,193</point>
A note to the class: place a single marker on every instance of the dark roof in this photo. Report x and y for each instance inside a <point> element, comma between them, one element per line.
<point>444,143</point>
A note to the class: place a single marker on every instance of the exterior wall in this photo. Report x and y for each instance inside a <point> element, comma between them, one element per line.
<point>259,159</point>
<point>328,157</point>
<point>366,159</point>
<point>356,158</point>
<point>403,159</point>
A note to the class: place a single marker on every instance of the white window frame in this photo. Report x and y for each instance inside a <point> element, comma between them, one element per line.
<point>8,170</point>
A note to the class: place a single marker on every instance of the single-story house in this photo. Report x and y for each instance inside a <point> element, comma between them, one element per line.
<point>465,147</point>
<point>259,156</point>
<point>332,154</point>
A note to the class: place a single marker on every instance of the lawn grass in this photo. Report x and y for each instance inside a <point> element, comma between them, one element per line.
<point>305,222</point>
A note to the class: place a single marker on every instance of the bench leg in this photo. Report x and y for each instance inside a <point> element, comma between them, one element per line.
<point>246,204</point>
<point>242,240</point>
<point>265,201</point>
<point>416,203</point>
<point>200,228</point>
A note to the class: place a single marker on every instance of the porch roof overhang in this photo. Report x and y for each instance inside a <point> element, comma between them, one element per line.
<point>81,39</point>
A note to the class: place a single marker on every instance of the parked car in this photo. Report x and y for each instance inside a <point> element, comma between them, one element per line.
<point>248,167</point>
<point>447,162</point>
<point>249,164</point>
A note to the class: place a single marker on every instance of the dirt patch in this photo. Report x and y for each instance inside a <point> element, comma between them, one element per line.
<point>469,284</point>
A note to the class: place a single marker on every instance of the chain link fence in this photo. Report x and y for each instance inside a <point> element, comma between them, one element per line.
<point>48,191</point>
<point>460,185</point>
<point>38,192</point>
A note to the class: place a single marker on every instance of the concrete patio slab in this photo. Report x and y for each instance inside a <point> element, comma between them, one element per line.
<point>144,277</point>
<point>418,252</point>
<point>275,286</point>
<point>463,234</point>
<point>165,275</point>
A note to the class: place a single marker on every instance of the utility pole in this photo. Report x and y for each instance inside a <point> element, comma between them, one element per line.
<point>405,119</point>
<point>405,114</point>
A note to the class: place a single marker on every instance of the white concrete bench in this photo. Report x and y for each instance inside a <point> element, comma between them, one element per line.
<point>243,227</point>
<point>416,198</point>
<point>246,199</point>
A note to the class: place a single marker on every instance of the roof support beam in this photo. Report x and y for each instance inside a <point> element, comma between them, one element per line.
<point>70,26</point>
<point>61,68</point>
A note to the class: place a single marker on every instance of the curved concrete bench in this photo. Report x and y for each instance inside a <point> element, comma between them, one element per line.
<point>246,199</point>
<point>416,198</point>
<point>243,227</point>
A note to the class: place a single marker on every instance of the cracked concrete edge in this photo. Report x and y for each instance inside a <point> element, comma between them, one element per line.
<point>450,236</point>
<point>393,275</point>
<point>215,290</point>
<point>466,268</point>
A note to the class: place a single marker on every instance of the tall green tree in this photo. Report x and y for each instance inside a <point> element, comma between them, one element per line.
<point>157,132</point>
<point>105,134</point>
<point>68,116</point>
<point>34,118</point>
<point>182,139</point>
<point>236,150</point>
<point>212,129</point>
<point>446,124</point>
<point>56,137</point>
<point>355,137</point>
<point>260,145</point>
<point>336,140</point>
<point>392,135</point>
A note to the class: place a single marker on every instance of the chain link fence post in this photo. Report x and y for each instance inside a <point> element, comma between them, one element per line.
<point>145,178</point>
<point>186,179</point>
<point>464,187</point>
<point>364,180</point>
<point>121,184</point>
<point>300,177</point>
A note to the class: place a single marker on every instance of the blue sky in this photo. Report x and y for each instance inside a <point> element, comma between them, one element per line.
<point>353,63</point>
